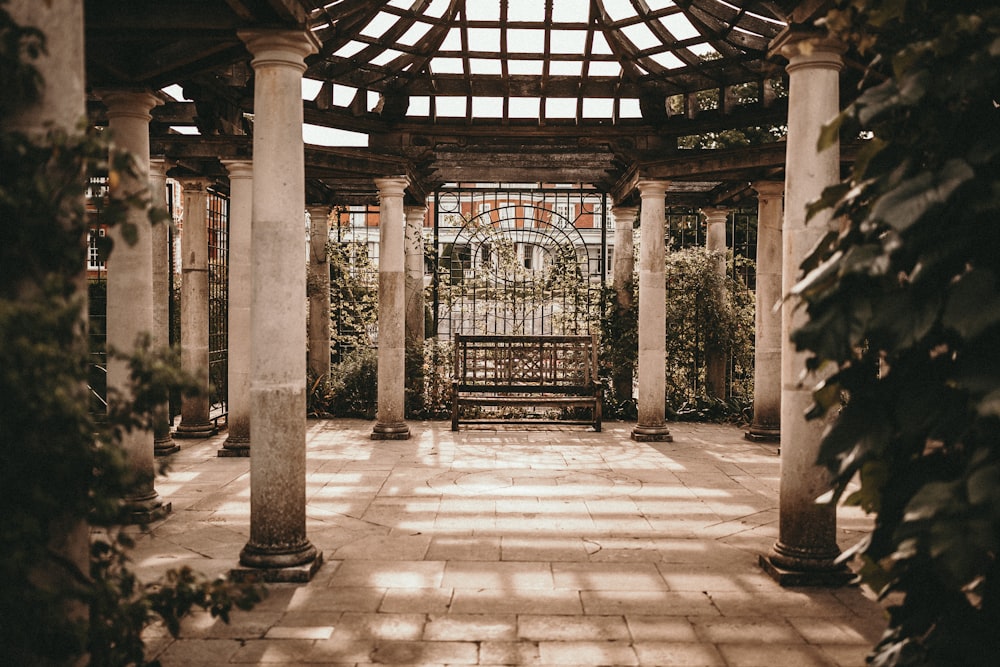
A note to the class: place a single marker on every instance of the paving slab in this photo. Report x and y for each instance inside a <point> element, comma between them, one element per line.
<point>511,546</point>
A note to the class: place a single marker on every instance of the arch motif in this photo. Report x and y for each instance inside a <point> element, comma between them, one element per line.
<point>517,267</point>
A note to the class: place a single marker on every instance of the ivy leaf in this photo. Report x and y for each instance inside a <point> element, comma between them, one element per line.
<point>903,317</point>
<point>873,475</point>
<point>932,499</point>
<point>832,194</point>
<point>910,200</point>
<point>869,150</point>
<point>983,487</point>
<point>973,303</point>
<point>989,406</point>
<point>830,133</point>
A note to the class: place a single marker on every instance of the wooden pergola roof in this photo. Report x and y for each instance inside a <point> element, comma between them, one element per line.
<point>579,91</point>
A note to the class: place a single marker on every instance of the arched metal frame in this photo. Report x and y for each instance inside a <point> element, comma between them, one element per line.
<point>517,261</point>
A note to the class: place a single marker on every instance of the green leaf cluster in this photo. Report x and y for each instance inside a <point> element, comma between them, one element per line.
<point>705,311</point>
<point>904,302</point>
<point>65,594</point>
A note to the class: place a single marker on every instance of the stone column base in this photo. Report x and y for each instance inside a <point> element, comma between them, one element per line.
<point>296,564</point>
<point>652,434</point>
<point>235,447</point>
<point>165,446</point>
<point>145,510</point>
<point>763,434</point>
<point>835,577</point>
<point>398,431</point>
<point>295,574</point>
<point>193,431</point>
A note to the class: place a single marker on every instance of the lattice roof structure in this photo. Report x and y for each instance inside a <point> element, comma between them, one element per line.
<point>595,92</point>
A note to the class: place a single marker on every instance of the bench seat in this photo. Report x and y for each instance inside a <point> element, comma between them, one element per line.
<point>525,371</point>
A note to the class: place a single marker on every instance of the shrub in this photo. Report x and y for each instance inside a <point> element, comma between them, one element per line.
<point>904,306</point>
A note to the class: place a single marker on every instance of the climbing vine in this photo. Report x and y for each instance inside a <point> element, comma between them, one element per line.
<point>62,472</point>
<point>904,309</point>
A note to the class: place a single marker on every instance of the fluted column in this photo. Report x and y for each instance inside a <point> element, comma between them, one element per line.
<point>240,294</point>
<point>278,549</point>
<point>319,291</point>
<point>130,286</point>
<point>715,243</point>
<point>622,281</point>
<point>766,424</point>
<point>195,422</point>
<point>390,424</point>
<point>807,531</point>
<point>651,425</point>
<point>163,443</point>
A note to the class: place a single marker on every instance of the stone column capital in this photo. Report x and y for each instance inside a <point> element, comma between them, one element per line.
<point>715,214</point>
<point>318,210</point>
<point>415,214</point>
<point>238,168</point>
<point>768,189</point>
<point>808,48</point>
<point>125,103</point>
<point>159,165</point>
<point>391,187</point>
<point>624,214</point>
<point>195,183</point>
<point>279,47</point>
<point>650,189</point>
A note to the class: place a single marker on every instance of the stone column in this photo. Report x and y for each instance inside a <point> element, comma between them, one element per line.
<point>414,251</point>
<point>163,443</point>
<point>240,294</point>
<point>195,421</point>
<point>389,423</point>
<point>622,281</point>
<point>278,549</point>
<point>130,286</point>
<point>766,424</point>
<point>61,104</point>
<point>715,242</point>
<point>651,424</point>
<point>319,291</point>
<point>807,533</point>
<point>414,306</point>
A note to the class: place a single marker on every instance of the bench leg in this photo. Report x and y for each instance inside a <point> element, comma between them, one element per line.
<point>597,416</point>
<point>454,415</point>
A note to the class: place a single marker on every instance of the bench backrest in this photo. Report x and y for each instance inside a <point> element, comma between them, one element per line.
<point>510,363</point>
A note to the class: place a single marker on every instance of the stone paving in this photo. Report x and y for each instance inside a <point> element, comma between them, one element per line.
<point>555,546</point>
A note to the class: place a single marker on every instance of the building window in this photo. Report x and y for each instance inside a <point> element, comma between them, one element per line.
<point>94,262</point>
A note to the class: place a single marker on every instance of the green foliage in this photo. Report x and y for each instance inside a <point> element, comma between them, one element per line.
<point>353,296</point>
<point>746,93</point>
<point>121,606</point>
<point>704,311</point>
<point>62,472</point>
<point>351,389</point>
<point>696,319</point>
<point>904,308</point>
<point>618,349</point>
<point>431,380</point>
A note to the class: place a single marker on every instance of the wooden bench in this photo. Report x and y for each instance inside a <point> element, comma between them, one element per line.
<point>526,371</point>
